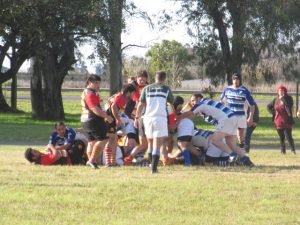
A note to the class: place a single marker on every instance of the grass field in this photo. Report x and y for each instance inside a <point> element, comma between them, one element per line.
<point>29,194</point>
<point>266,194</point>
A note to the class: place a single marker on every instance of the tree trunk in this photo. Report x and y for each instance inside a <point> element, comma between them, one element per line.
<point>13,93</point>
<point>238,15</point>
<point>115,53</point>
<point>223,38</point>
<point>36,90</point>
<point>4,107</point>
<point>51,71</point>
<point>52,99</point>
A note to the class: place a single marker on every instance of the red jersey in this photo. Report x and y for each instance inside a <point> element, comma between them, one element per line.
<point>49,159</point>
<point>89,100</point>
<point>137,93</point>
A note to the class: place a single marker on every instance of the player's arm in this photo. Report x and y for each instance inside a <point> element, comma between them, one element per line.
<point>223,98</point>
<point>189,114</point>
<point>116,114</point>
<point>92,101</point>
<point>251,104</point>
<point>55,152</point>
<point>140,107</point>
<point>69,141</point>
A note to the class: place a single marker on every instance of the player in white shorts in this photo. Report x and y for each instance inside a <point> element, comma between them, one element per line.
<point>226,127</point>
<point>154,98</point>
<point>214,155</point>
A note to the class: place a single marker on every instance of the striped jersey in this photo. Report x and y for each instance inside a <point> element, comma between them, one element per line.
<point>203,133</point>
<point>156,96</point>
<point>200,138</point>
<point>236,98</point>
<point>216,110</point>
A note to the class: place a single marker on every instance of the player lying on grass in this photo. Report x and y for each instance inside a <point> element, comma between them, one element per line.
<point>66,147</point>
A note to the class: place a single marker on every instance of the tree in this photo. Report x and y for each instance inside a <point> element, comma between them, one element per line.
<point>109,45</point>
<point>243,28</point>
<point>71,23</point>
<point>18,39</point>
<point>172,57</point>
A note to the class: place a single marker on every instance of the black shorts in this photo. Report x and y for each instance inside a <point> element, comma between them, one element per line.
<point>133,136</point>
<point>111,127</point>
<point>186,138</point>
<point>95,129</point>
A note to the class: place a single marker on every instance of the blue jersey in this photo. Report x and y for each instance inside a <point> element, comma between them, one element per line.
<point>236,98</point>
<point>68,138</point>
<point>216,110</point>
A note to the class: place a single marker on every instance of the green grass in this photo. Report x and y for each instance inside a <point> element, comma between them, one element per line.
<point>266,194</point>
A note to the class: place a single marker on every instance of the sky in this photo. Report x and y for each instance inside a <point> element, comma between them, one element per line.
<point>139,32</point>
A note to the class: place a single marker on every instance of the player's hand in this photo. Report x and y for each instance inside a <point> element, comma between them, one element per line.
<point>250,122</point>
<point>109,119</point>
<point>298,114</point>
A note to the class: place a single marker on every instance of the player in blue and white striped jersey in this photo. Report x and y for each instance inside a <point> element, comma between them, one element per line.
<point>213,155</point>
<point>226,126</point>
<point>235,96</point>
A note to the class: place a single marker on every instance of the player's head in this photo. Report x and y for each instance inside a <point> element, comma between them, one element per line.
<point>60,128</point>
<point>142,78</point>
<point>178,103</point>
<point>128,91</point>
<point>93,82</point>
<point>33,156</point>
<point>160,77</point>
<point>236,79</point>
<point>195,98</point>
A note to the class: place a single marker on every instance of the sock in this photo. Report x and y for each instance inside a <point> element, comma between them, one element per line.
<point>108,154</point>
<point>113,159</point>
<point>155,159</point>
<point>150,155</point>
<point>187,157</point>
<point>242,144</point>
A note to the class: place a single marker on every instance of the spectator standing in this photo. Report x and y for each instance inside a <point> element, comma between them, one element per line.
<point>281,109</point>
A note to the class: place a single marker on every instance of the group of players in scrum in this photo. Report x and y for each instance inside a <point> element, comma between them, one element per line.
<point>195,146</point>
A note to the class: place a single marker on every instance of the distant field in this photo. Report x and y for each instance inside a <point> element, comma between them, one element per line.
<point>21,128</point>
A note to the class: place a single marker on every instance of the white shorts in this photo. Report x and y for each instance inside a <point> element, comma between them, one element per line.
<point>214,151</point>
<point>185,128</point>
<point>200,141</point>
<point>156,127</point>
<point>228,125</point>
<point>242,121</point>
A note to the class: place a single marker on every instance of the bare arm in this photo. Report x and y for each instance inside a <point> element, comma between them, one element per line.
<point>54,151</point>
<point>101,113</point>
<point>250,117</point>
<point>116,114</point>
<point>188,114</point>
<point>139,110</point>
